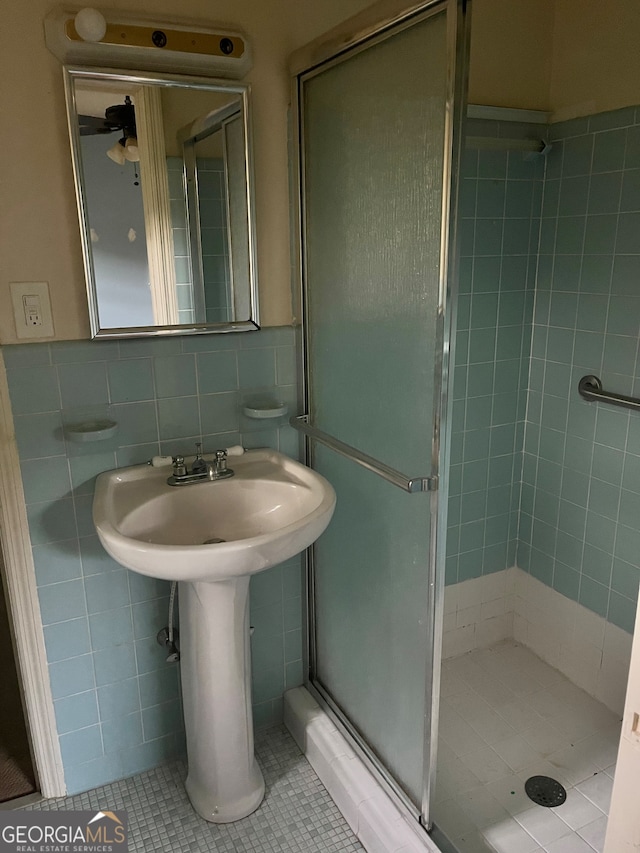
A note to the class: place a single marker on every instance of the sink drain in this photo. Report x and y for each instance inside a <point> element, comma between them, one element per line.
<point>545,791</point>
<point>214,541</point>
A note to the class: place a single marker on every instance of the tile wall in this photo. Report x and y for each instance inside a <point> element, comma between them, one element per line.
<point>117,702</point>
<point>499,208</point>
<point>213,231</point>
<point>182,255</point>
<point>215,239</point>
<point>580,512</point>
<point>567,231</point>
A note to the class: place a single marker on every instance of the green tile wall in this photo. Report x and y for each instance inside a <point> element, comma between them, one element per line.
<point>580,509</point>
<point>499,208</point>
<point>117,702</point>
<point>184,278</point>
<point>215,255</point>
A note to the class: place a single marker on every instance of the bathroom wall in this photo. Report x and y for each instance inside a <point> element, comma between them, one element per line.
<point>568,57</point>
<point>595,59</point>
<point>512,64</point>
<point>41,236</point>
<point>511,55</point>
<point>499,208</point>
<point>117,702</point>
<point>579,528</point>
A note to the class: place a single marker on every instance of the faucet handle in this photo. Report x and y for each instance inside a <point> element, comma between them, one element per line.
<point>221,461</point>
<point>179,468</point>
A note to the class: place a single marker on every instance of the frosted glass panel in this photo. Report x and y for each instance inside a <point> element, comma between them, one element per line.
<point>372,596</point>
<point>373,143</point>
<point>374,140</point>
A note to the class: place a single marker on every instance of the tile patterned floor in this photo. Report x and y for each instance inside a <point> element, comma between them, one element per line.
<point>297,813</point>
<point>506,716</point>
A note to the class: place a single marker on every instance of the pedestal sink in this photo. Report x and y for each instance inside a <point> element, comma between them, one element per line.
<point>212,536</point>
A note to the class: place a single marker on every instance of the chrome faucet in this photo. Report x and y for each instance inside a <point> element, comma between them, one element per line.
<point>201,469</point>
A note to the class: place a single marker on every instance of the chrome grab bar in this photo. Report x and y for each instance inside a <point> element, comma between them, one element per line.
<point>408,484</point>
<point>590,388</point>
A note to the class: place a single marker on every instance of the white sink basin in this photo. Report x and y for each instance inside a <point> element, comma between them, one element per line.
<point>270,510</point>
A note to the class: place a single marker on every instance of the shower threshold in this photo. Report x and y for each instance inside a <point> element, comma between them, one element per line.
<point>364,802</point>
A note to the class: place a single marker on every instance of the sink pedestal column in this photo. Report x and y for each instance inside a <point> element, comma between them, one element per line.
<point>224,782</point>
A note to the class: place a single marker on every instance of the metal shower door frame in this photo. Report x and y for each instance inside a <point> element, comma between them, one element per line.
<point>323,57</point>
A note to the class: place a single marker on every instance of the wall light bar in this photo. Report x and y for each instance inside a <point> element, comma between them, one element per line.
<point>122,40</point>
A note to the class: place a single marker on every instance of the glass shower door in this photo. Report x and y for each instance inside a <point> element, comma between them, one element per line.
<point>376,142</point>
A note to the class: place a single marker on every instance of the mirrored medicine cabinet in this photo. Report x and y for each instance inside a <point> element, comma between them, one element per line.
<point>163,174</point>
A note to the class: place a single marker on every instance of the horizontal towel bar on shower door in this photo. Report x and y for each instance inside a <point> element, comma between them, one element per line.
<point>408,484</point>
<point>590,387</point>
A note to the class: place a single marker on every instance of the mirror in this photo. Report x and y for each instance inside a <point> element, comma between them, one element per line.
<point>162,166</point>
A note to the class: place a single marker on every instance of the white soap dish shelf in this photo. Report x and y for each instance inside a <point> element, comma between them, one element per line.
<point>260,411</point>
<point>97,430</point>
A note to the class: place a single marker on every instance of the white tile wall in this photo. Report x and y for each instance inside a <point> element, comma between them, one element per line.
<point>593,653</point>
<point>476,613</point>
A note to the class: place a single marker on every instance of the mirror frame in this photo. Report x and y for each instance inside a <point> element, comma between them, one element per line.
<point>73,73</point>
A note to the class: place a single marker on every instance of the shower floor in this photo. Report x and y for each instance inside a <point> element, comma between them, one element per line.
<point>296,814</point>
<point>506,715</point>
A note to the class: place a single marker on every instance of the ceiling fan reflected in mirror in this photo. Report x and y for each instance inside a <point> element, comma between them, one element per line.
<point>119,117</point>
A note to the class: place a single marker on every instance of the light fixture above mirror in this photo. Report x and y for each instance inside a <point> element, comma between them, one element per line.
<point>117,39</point>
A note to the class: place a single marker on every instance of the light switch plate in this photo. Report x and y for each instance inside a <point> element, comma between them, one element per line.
<point>32,309</point>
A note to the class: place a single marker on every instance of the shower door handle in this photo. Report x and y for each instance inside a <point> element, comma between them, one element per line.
<point>407,484</point>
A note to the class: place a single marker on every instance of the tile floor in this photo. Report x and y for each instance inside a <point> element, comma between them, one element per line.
<point>505,716</point>
<point>296,815</point>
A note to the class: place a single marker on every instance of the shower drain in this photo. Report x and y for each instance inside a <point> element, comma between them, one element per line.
<point>213,541</point>
<point>545,791</point>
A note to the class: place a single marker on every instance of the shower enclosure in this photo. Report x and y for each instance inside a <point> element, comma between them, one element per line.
<point>379,139</point>
<point>518,668</point>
